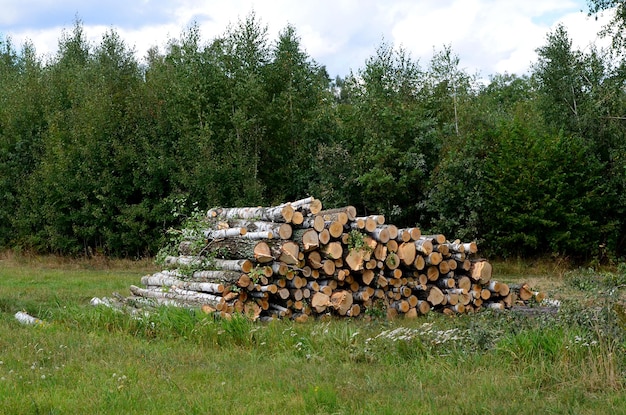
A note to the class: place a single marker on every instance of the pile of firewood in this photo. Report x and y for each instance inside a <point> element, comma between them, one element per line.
<point>297,260</point>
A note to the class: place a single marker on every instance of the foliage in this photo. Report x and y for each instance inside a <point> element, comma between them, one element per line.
<point>96,147</point>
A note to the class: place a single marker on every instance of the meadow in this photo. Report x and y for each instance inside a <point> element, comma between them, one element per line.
<point>94,360</point>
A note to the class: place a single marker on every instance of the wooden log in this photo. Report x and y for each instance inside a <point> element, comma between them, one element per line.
<point>307,205</point>
<point>316,222</point>
<point>380,234</point>
<point>328,267</point>
<point>464,283</point>
<point>523,291</point>
<point>494,287</point>
<point>480,271</point>
<point>343,214</point>
<point>307,238</point>
<point>332,250</point>
<point>320,302</point>
<point>282,230</point>
<point>407,253</point>
<point>335,229</point>
<point>185,260</point>
<point>242,265</point>
<point>324,237</point>
<point>392,246</point>
<point>297,218</point>
<point>224,277</point>
<point>224,233</point>
<point>434,258</point>
<point>335,215</point>
<point>408,234</point>
<point>432,273</point>
<point>434,239</point>
<point>435,296</point>
<point>444,267</point>
<point>281,213</point>
<point>392,261</point>
<point>442,249</point>
<point>314,259</point>
<point>470,247</point>
<point>504,290</point>
<point>183,296</point>
<point>419,263</point>
<point>341,301</point>
<point>424,246</point>
<point>162,280</point>
<point>380,252</point>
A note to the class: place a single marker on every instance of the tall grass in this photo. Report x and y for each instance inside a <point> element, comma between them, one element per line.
<point>95,360</point>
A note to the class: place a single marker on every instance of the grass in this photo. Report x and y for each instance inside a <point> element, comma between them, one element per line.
<point>96,361</point>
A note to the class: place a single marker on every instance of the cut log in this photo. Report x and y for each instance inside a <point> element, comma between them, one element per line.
<point>258,235</point>
<point>435,296</point>
<point>297,218</point>
<point>432,273</point>
<point>355,259</point>
<point>470,247</point>
<point>324,237</point>
<point>224,233</point>
<point>424,246</point>
<point>354,311</point>
<point>434,239</point>
<point>162,280</point>
<point>434,258</point>
<point>392,261</point>
<point>481,271</point>
<point>243,265</point>
<point>315,222</point>
<point>380,234</point>
<point>328,267</point>
<point>320,302</point>
<point>335,229</point>
<point>423,307</point>
<point>333,250</point>
<point>343,214</point>
<point>523,291</point>
<point>314,259</point>
<point>335,215</point>
<point>185,260</point>
<point>407,253</point>
<point>464,283</point>
<point>392,245</point>
<point>401,306</point>
<point>307,238</point>
<point>408,234</point>
<point>281,213</point>
<point>341,301</point>
<point>367,276</point>
<point>419,263</point>
<point>180,295</point>
<point>282,230</point>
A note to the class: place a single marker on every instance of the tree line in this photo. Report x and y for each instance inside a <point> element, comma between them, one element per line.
<point>102,152</point>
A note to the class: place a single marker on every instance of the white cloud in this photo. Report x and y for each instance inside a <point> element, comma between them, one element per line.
<point>488,35</point>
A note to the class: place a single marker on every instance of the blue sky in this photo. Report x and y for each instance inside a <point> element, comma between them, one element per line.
<point>490,36</point>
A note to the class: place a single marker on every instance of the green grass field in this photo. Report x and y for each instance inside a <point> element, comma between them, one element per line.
<point>91,360</point>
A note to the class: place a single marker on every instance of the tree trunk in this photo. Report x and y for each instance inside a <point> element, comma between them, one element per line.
<point>163,280</point>
<point>183,296</point>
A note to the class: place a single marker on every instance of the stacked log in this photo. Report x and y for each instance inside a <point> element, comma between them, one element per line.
<point>296,260</point>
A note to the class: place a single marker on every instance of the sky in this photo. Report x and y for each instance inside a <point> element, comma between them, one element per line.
<point>489,36</point>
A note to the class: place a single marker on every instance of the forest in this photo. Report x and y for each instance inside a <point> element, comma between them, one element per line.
<point>102,151</point>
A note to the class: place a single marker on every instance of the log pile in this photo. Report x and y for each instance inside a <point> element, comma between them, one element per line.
<point>297,261</point>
